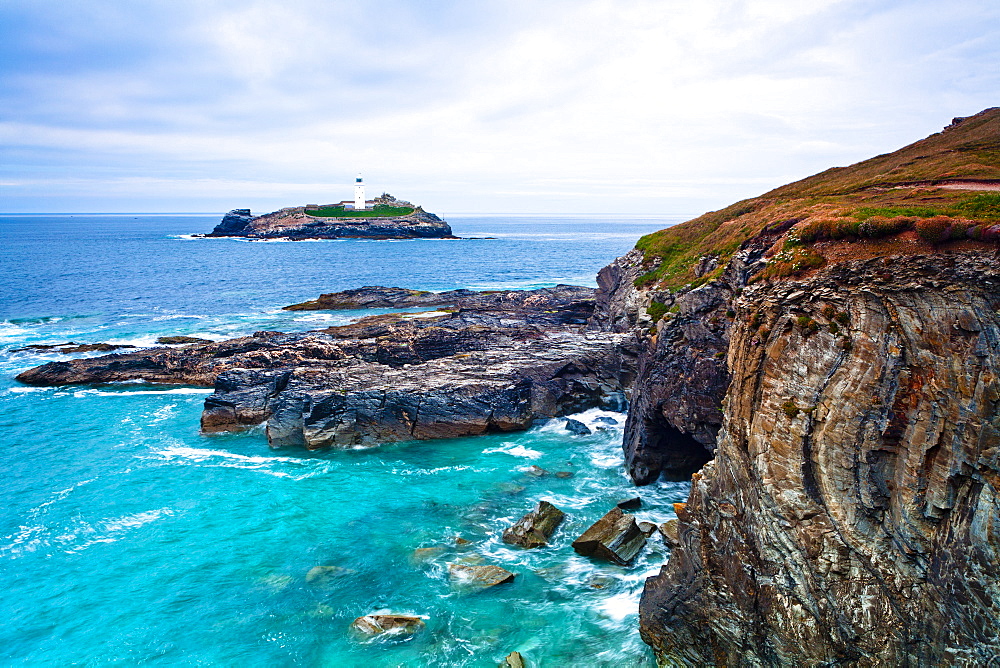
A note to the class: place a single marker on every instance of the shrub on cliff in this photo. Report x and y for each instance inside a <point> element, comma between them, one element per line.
<point>935,230</point>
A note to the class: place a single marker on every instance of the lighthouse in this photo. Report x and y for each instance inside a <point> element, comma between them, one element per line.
<point>359,194</point>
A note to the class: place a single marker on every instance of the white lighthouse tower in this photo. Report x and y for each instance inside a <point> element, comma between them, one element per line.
<point>359,194</point>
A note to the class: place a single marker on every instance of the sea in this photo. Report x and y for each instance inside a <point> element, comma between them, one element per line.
<point>128,537</point>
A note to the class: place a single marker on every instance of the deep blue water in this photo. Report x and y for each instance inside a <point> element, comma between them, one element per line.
<point>129,537</point>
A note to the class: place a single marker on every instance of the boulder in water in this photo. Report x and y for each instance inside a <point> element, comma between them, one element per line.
<point>615,537</point>
<point>481,576</point>
<point>630,504</point>
<point>576,427</point>
<point>535,528</point>
<point>376,624</point>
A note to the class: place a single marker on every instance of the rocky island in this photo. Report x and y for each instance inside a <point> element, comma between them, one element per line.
<point>388,218</point>
<point>822,362</point>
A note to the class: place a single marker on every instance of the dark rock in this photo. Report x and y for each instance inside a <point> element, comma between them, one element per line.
<point>236,223</point>
<point>647,528</point>
<point>564,474</point>
<point>377,624</point>
<point>535,528</point>
<point>172,340</point>
<point>604,419</point>
<point>71,347</point>
<point>576,427</point>
<point>515,358</point>
<point>615,537</point>
<point>630,504</point>
<point>536,471</point>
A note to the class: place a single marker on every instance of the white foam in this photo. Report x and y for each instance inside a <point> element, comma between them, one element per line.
<point>620,606</point>
<point>129,393</point>
<point>514,450</point>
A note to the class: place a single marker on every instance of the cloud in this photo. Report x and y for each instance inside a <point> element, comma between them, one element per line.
<point>610,105</point>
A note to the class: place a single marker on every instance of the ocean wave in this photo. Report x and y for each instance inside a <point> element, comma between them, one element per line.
<point>270,465</point>
<point>78,537</point>
<point>127,393</point>
<point>514,450</point>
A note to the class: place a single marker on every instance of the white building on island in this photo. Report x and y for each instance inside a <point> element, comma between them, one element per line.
<point>359,194</point>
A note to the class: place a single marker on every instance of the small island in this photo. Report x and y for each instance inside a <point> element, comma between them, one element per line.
<point>385,217</point>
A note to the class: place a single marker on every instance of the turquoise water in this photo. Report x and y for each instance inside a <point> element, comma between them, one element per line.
<point>128,537</point>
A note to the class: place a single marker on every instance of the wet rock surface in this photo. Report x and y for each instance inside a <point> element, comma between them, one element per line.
<point>536,527</point>
<point>479,575</point>
<point>852,511</point>
<point>377,624</point>
<point>516,357</point>
<point>615,537</point>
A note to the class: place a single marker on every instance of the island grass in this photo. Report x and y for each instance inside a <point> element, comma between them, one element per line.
<point>379,211</point>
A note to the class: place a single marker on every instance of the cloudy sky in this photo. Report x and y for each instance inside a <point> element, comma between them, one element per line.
<point>553,106</point>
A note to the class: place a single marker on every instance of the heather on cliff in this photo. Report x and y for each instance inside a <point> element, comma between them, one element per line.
<point>932,187</point>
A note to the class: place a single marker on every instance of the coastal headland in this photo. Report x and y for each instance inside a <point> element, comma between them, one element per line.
<point>389,218</point>
<point>822,362</point>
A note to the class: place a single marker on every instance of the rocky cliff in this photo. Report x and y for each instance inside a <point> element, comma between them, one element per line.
<point>851,512</point>
<point>307,223</point>
<point>832,351</point>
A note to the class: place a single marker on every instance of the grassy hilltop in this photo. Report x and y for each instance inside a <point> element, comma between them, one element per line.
<point>942,190</point>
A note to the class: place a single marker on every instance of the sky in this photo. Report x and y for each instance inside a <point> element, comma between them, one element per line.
<point>470,106</point>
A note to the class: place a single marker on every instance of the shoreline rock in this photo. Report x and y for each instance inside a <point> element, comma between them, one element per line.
<point>505,360</point>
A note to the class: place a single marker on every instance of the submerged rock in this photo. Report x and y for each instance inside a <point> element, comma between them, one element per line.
<point>615,537</point>
<point>320,575</point>
<point>376,624</point>
<point>536,527</point>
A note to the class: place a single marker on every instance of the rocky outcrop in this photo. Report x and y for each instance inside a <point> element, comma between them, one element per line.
<point>518,356</point>
<point>619,305</point>
<point>852,510</point>
<point>236,223</point>
<point>296,223</point>
<point>566,299</point>
<point>676,402</point>
<point>615,537</point>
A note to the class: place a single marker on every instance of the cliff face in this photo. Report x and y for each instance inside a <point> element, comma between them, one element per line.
<point>852,512</point>
<point>295,223</point>
<point>830,351</point>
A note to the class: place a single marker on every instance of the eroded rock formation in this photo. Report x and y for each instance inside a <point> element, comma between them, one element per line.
<point>509,358</point>
<point>852,511</point>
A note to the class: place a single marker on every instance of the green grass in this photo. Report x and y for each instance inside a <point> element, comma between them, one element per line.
<point>379,211</point>
<point>985,206</point>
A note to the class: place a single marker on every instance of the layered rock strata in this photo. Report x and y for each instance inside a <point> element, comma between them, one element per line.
<point>852,511</point>
<point>296,223</point>
<point>519,356</point>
